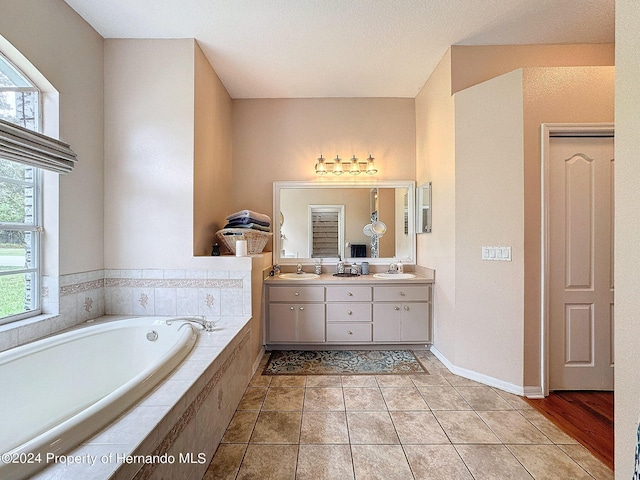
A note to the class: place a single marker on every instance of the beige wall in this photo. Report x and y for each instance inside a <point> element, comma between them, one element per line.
<point>575,94</point>
<point>472,64</point>
<point>280,139</point>
<point>212,156</point>
<point>627,235</point>
<point>435,162</point>
<point>69,54</point>
<point>149,153</point>
<point>490,212</point>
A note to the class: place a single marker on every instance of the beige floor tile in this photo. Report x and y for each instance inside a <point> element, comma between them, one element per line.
<point>283,398</point>
<point>458,381</point>
<point>259,380</point>
<point>586,460</point>
<point>547,427</point>
<point>324,462</point>
<point>252,398</point>
<point>323,399</point>
<point>511,427</point>
<point>324,381</point>
<point>492,462</point>
<point>517,402</point>
<point>403,398</point>
<point>465,427</point>
<point>483,398</point>
<point>432,379</point>
<point>324,427</point>
<point>548,462</point>
<point>269,462</point>
<point>443,398</point>
<point>359,381</point>
<point>226,462</point>
<point>418,428</point>
<point>288,380</point>
<point>277,427</point>
<point>363,399</point>
<point>372,428</point>
<point>436,462</point>
<point>240,427</point>
<point>380,462</point>
<point>394,381</point>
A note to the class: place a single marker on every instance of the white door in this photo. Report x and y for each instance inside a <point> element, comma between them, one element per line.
<point>581,175</point>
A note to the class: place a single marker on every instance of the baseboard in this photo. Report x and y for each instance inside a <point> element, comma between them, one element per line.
<point>478,377</point>
<point>533,392</point>
<point>256,362</point>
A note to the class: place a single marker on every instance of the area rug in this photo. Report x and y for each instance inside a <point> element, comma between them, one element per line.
<point>343,362</point>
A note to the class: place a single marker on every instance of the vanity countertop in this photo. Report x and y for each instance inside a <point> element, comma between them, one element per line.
<point>329,278</point>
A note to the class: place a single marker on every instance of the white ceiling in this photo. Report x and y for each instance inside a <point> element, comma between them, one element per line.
<point>344,48</point>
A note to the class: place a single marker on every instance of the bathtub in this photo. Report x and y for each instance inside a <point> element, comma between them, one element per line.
<point>57,391</point>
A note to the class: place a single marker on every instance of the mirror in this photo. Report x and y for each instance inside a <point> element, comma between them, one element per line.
<point>424,208</point>
<point>372,221</point>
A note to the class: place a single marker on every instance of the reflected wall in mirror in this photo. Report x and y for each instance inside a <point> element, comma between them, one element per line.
<point>424,208</point>
<point>300,238</point>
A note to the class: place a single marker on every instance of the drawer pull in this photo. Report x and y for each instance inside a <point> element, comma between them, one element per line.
<point>397,308</point>
<point>406,308</point>
<point>350,332</point>
<point>349,312</point>
<point>290,308</point>
<point>296,294</point>
<point>349,294</point>
<point>402,294</point>
<point>301,308</point>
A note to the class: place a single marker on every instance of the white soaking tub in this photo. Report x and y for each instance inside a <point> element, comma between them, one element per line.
<point>57,391</point>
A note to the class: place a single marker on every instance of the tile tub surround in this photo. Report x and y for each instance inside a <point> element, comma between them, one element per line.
<point>417,426</point>
<point>72,299</point>
<point>186,415</point>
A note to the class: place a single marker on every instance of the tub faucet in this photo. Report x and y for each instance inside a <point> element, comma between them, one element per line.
<point>207,325</point>
<point>299,268</point>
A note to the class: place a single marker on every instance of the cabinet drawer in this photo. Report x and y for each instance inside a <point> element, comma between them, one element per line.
<point>348,294</point>
<point>348,332</point>
<point>296,294</point>
<point>402,293</point>
<point>348,312</point>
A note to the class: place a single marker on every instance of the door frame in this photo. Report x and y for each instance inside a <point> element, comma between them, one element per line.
<point>549,130</point>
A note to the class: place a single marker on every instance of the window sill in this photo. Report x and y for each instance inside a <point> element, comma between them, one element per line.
<point>26,330</point>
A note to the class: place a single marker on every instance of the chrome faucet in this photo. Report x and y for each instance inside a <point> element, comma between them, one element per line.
<point>393,268</point>
<point>299,268</point>
<point>207,325</point>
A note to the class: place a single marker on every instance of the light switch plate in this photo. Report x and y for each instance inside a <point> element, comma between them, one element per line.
<point>496,253</point>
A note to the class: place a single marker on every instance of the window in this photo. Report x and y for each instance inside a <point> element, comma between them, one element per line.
<point>20,209</point>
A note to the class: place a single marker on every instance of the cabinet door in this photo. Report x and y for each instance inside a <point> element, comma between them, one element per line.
<point>282,323</point>
<point>387,322</point>
<point>310,323</point>
<point>415,322</point>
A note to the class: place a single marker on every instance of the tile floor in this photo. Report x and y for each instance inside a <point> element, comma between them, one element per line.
<point>420,426</point>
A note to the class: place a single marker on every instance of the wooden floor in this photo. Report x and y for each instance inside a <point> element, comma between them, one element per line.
<point>585,415</point>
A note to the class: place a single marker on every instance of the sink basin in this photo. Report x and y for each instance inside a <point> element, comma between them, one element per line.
<point>299,276</point>
<point>394,276</point>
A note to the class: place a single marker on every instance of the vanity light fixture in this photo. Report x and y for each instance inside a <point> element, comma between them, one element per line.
<point>356,166</point>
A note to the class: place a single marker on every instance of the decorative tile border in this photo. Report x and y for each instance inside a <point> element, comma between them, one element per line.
<point>189,414</point>
<point>173,283</point>
<point>81,287</point>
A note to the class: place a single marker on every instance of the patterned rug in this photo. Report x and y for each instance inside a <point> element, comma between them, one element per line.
<point>343,362</point>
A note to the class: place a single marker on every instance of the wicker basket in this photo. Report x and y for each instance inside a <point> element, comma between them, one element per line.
<point>256,239</point>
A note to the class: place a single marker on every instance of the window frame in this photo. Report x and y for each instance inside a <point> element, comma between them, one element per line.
<point>36,227</point>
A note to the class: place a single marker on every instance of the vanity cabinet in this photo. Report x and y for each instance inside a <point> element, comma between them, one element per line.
<point>402,314</point>
<point>296,314</point>
<point>348,313</point>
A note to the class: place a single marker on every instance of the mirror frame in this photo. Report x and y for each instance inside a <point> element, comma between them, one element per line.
<point>410,185</point>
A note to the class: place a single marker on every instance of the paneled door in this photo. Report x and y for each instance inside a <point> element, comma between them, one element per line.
<point>581,176</point>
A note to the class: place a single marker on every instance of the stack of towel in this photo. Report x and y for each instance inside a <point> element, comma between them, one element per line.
<point>249,219</point>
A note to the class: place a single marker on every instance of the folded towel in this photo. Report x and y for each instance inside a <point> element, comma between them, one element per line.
<point>250,213</point>
<point>253,226</point>
<point>246,220</point>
